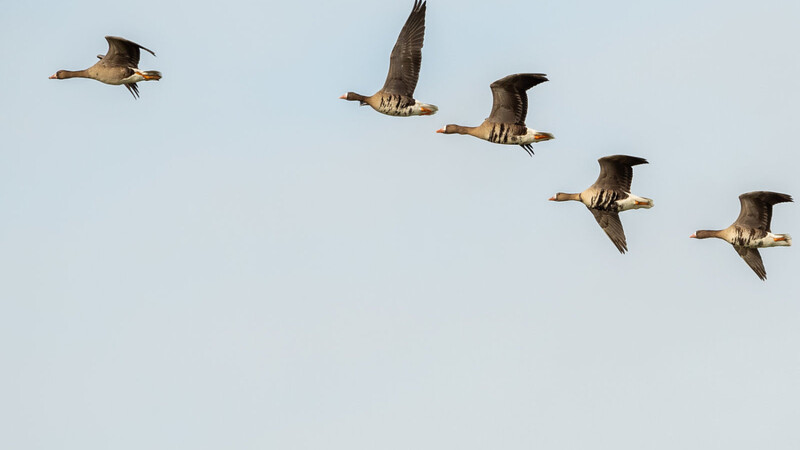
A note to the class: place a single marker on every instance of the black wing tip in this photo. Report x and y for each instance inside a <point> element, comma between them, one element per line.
<point>528,148</point>
<point>537,76</point>
<point>621,244</point>
<point>762,274</point>
<point>122,39</point>
<point>133,89</point>
<point>767,197</point>
<point>625,159</point>
<point>522,81</point>
<point>752,258</point>
<point>418,9</point>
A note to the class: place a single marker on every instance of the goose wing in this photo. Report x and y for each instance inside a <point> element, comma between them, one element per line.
<point>122,52</point>
<point>133,89</point>
<point>610,223</point>
<point>753,259</point>
<point>406,56</point>
<point>616,172</point>
<point>756,212</point>
<point>510,100</point>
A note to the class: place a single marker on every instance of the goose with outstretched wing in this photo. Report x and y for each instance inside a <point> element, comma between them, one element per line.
<point>396,97</point>
<point>506,122</point>
<point>752,229</point>
<point>610,195</point>
<point>120,65</point>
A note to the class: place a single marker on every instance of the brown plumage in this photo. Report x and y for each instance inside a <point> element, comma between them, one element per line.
<point>752,229</point>
<point>120,65</point>
<point>396,97</point>
<point>506,122</point>
<point>610,194</point>
<point>510,97</point>
<point>756,210</point>
<point>406,57</point>
<point>616,173</point>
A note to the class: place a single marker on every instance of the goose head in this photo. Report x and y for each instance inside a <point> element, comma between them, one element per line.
<point>563,197</point>
<point>352,96</point>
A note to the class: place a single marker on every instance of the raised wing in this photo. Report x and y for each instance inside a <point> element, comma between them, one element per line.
<point>616,172</point>
<point>122,52</point>
<point>756,212</point>
<point>510,104</point>
<point>753,259</point>
<point>610,223</point>
<point>406,56</point>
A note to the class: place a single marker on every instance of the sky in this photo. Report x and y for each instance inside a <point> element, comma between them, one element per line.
<point>241,260</point>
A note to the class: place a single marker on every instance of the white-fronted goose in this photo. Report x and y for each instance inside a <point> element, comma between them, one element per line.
<point>396,97</point>
<point>751,230</point>
<point>120,65</point>
<point>506,123</point>
<point>610,194</point>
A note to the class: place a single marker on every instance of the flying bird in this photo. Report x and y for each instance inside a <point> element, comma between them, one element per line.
<point>751,230</point>
<point>396,97</point>
<point>120,65</point>
<point>506,123</point>
<point>610,195</point>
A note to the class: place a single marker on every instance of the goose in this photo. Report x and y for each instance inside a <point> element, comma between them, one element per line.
<point>506,123</point>
<point>396,97</point>
<point>751,230</point>
<point>610,195</point>
<point>118,66</point>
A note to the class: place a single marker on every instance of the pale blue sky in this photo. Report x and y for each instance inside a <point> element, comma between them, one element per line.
<point>239,260</point>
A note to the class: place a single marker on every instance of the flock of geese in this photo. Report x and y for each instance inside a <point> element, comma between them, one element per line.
<point>606,198</point>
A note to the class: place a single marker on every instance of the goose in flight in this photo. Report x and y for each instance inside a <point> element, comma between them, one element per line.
<point>396,97</point>
<point>120,65</point>
<point>610,195</point>
<point>751,230</point>
<point>506,123</point>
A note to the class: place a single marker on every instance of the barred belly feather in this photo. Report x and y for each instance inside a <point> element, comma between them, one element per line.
<point>502,133</point>
<point>604,200</point>
<point>395,105</point>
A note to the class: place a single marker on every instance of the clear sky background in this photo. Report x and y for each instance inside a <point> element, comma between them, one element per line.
<point>239,260</point>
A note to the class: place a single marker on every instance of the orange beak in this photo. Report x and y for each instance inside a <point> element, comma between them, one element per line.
<point>425,112</point>
<point>693,236</point>
<point>552,199</point>
<point>344,97</point>
<point>440,130</point>
<point>53,77</point>
<point>779,239</point>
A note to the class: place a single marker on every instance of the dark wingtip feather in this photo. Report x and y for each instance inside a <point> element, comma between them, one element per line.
<point>762,274</point>
<point>622,246</point>
<point>752,258</point>
<point>528,148</point>
<point>133,89</point>
<point>520,81</point>
<point>767,197</point>
<point>625,159</point>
